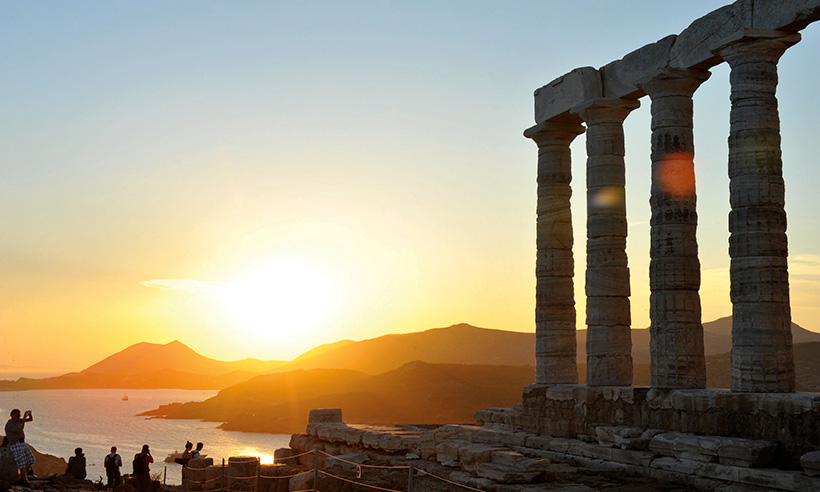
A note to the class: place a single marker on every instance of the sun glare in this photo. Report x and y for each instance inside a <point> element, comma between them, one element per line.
<point>279,301</point>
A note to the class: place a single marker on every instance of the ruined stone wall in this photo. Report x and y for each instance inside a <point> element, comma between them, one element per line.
<point>792,420</point>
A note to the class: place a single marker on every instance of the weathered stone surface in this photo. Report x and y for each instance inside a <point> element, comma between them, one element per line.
<point>762,359</point>
<point>811,463</point>
<point>471,455</point>
<point>608,434</point>
<point>577,86</point>
<point>242,472</point>
<point>282,455</point>
<point>746,452</point>
<point>555,350</point>
<point>447,452</point>
<point>504,474</point>
<point>301,482</point>
<point>620,76</point>
<point>346,462</point>
<point>517,461</point>
<point>664,444</point>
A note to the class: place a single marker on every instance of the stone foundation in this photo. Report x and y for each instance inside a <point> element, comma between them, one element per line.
<point>500,456</point>
<point>790,419</point>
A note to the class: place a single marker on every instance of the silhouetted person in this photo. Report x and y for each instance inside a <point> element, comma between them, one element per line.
<point>8,468</point>
<point>142,469</point>
<point>15,432</point>
<point>76,465</point>
<point>112,464</point>
<point>197,452</point>
<point>186,457</point>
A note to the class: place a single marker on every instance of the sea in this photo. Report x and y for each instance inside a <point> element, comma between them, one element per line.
<point>96,419</point>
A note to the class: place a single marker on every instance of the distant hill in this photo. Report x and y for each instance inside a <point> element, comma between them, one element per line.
<point>806,365</point>
<point>175,365</point>
<point>457,344</point>
<point>717,339</point>
<point>416,393</point>
<point>151,365</point>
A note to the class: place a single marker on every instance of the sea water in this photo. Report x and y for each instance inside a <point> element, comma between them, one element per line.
<point>97,419</point>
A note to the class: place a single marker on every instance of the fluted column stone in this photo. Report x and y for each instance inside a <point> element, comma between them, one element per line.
<point>555,340</point>
<point>676,330</point>
<point>609,341</point>
<point>762,355</point>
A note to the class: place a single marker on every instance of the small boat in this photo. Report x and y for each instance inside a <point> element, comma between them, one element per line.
<point>124,397</point>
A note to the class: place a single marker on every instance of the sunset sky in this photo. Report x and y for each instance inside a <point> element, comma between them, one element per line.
<point>255,178</point>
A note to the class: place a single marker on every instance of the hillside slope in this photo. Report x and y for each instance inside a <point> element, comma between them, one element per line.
<point>416,393</point>
<point>457,344</point>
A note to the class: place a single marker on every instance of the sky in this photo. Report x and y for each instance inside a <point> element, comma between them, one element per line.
<point>256,178</point>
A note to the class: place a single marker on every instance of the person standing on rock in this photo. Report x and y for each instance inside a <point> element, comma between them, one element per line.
<point>142,469</point>
<point>112,464</point>
<point>15,432</point>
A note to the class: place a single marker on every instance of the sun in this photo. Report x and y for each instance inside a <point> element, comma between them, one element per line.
<point>279,301</point>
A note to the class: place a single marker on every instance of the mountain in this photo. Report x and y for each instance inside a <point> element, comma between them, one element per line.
<point>151,365</point>
<point>457,344</point>
<point>717,339</point>
<point>415,393</point>
<point>145,357</point>
<point>806,364</point>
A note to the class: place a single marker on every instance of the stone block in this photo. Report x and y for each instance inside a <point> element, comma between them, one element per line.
<point>608,434</point>
<point>769,478</point>
<point>517,461</point>
<point>447,452</point>
<point>632,457</point>
<point>698,448</point>
<point>301,482</point>
<point>453,431</point>
<point>664,444</point>
<point>559,444</point>
<point>639,443</point>
<point>692,48</point>
<point>282,455</point>
<point>538,442</point>
<point>346,462</point>
<point>567,91</point>
<point>811,463</point>
<point>787,15</point>
<point>805,483</point>
<point>471,455</point>
<point>746,452</point>
<point>621,77</point>
<point>502,474</point>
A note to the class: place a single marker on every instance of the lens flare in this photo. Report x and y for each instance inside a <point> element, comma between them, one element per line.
<point>675,174</point>
<point>609,197</point>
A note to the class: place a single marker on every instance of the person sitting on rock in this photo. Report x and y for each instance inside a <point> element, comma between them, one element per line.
<point>8,468</point>
<point>76,465</point>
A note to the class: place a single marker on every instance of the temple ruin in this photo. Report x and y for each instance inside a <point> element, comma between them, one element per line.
<point>758,433</point>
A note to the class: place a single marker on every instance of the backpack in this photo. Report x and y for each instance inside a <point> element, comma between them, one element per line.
<point>110,462</point>
<point>140,464</point>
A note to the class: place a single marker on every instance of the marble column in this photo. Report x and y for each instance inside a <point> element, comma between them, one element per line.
<point>609,341</point>
<point>762,355</point>
<point>676,330</point>
<point>555,342</point>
